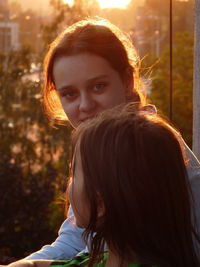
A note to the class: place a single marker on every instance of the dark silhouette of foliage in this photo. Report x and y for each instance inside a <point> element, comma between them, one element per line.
<point>25,210</point>
<point>33,162</point>
<point>182,83</point>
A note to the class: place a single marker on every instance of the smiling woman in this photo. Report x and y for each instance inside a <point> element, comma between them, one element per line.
<point>106,3</point>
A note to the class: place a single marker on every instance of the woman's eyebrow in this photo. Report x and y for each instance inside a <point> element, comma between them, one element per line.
<point>97,78</point>
<point>65,87</point>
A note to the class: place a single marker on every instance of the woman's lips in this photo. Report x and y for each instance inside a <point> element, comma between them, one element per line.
<point>87,118</point>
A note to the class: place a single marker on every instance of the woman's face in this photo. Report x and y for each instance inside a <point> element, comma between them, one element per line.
<point>88,85</point>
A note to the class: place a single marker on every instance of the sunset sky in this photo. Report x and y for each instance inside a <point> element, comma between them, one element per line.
<point>108,3</point>
<point>44,7</point>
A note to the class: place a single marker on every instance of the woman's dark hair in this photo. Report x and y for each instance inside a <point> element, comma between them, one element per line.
<point>134,162</point>
<point>95,36</point>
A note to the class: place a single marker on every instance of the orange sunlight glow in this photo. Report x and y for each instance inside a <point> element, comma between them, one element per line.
<point>69,2</point>
<point>113,3</point>
<point>106,3</point>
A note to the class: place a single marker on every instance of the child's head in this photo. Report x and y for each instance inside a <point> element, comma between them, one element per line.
<point>79,60</point>
<point>130,187</point>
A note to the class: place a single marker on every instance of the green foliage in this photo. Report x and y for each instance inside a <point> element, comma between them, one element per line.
<point>182,83</point>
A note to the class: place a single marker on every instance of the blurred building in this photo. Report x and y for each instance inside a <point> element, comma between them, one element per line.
<point>9,30</point>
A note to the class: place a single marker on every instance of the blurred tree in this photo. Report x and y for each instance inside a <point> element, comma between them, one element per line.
<point>25,210</point>
<point>152,23</point>
<point>182,83</point>
<point>33,162</point>
<point>15,7</point>
<point>183,16</point>
<point>156,8</point>
<point>181,9</point>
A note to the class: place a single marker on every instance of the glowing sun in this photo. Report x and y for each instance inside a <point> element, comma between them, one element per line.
<point>106,3</point>
<point>113,3</point>
<point>69,2</point>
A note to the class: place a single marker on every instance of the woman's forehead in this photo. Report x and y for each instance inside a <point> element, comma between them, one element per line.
<point>91,66</point>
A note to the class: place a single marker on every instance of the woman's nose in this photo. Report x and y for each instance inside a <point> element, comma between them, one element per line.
<point>87,103</point>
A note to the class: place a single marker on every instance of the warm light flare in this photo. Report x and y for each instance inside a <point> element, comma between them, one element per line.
<point>113,3</point>
<point>69,2</point>
<point>106,3</point>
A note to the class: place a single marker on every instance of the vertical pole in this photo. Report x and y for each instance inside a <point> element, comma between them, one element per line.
<point>170,62</point>
<point>196,82</point>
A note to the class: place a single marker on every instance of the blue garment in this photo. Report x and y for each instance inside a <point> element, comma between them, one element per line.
<point>69,242</point>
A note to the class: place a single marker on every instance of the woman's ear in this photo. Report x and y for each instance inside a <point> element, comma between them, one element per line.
<point>100,206</point>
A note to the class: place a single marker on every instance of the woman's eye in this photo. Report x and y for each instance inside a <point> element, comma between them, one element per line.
<point>99,86</point>
<point>69,94</point>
